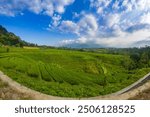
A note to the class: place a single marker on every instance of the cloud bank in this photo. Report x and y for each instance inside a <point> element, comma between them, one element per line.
<point>47,7</point>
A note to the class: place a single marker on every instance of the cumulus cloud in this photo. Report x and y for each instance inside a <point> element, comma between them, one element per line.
<point>55,20</point>
<point>69,27</point>
<point>111,23</point>
<point>60,4</point>
<point>48,7</point>
<point>100,5</point>
<point>145,18</point>
<point>121,41</point>
<point>125,39</point>
<point>112,20</point>
<point>117,24</point>
<point>86,26</point>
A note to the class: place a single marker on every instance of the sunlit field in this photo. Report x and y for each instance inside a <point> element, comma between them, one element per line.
<point>69,73</point>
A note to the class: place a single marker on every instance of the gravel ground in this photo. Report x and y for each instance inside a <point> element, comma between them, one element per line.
<point>6,93</point>
<point>145,95</point>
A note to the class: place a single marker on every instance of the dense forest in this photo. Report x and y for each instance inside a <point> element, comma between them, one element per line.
<point>140,56</point>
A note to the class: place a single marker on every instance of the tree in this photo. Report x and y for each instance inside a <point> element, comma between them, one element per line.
<point>135,57</point>
<point>144,60</point>
<point>1,44</point>
<point>7,49</point>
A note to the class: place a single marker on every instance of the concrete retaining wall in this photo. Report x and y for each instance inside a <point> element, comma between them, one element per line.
<point>129,92</point>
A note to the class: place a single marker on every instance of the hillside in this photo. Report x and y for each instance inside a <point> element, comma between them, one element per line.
<point>10,39</point>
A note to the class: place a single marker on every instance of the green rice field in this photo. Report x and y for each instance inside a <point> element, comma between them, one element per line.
<point>68,73</point>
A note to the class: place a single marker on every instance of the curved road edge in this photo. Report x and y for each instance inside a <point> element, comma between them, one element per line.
<point>126,93</point>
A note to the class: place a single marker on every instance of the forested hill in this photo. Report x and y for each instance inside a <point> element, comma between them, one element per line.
<point>10,39</point>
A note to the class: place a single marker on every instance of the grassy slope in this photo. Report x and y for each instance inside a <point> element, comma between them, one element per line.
<point>68,73</point>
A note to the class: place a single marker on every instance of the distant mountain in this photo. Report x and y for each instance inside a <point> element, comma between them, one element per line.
<point>142,43</point>
<point>10,39</point>
<point>79,46</point>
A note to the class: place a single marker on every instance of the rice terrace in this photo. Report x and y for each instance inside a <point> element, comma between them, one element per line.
<point>69,73</point>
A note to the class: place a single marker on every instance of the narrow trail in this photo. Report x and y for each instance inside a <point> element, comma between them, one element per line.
<point>128,93</point>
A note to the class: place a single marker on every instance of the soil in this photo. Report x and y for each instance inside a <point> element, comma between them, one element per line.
<point>145,95</point>
<point>6,93</point>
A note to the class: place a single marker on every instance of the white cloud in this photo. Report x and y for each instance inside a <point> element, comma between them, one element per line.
<point>48,7</point>
<point>6,11</point>
<point>142,4</point>
<point>138,5</point>
<point>35,6</point>
<point>60,4</point>
<point>125,39</point>
<point>69,27</point>
<point>122,41</point>
<point>112,19</point>
<point>86,26</point>
<point>99,10</point>
<point>56,20</point>
<point>81,40</point>
<point>113,23</point>
<point>128,5</point>
<point>145,19</point>
<point>123,27</point>
<point>116,5</point>
<point>100,5</point>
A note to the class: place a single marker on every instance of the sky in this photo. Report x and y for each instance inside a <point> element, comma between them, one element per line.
<point>79,23</point>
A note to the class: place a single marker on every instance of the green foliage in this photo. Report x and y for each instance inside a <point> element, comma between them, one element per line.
<point>70,73</point>
<point>10,39</point>
<point>7,49</point>
<point>44,73</point>
<point>33,71</point>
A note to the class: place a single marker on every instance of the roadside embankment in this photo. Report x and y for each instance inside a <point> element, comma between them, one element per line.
<point>11,86</point>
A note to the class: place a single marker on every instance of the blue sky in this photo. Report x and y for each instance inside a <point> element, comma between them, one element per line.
<point>78,23</point>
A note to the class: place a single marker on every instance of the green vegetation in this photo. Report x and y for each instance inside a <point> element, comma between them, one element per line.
<point>72,73</point>
<point>9,38</point>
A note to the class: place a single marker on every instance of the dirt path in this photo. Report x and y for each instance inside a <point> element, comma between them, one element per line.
<point>10,89</point>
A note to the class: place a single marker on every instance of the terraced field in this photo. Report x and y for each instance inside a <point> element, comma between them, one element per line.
<point>68,73</point>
